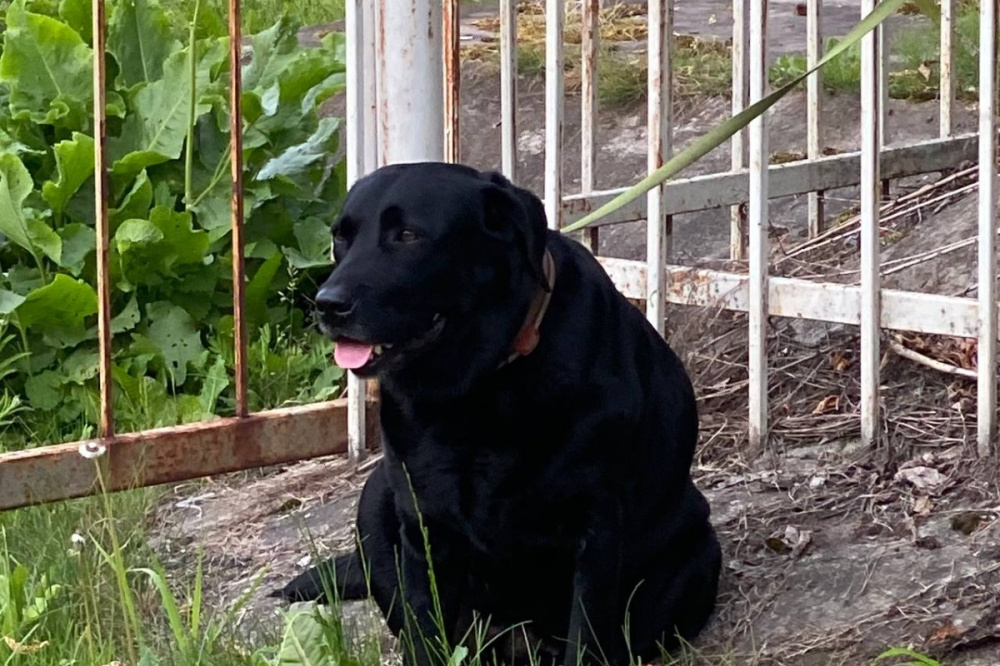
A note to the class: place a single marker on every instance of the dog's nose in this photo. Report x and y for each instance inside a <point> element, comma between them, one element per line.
<point>334,301</point>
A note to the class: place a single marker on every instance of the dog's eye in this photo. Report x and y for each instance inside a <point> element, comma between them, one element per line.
<point>407,236</point>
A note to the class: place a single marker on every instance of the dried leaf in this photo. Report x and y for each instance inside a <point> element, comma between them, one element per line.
<point>945,633</point>
<point>792,540</point>
<point>830,403</point>
<point>925,71</point>
<point>24,648</point>
<point>922,505</point>
<point>838,362</point>
<point>923,478</point>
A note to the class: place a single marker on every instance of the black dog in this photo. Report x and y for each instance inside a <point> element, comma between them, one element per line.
<point>543,428</point>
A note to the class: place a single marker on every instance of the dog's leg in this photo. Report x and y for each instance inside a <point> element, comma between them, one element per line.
<point>438,608</point>
<point>348,575</point>
<point>595,623</point>
<point>344,575</point>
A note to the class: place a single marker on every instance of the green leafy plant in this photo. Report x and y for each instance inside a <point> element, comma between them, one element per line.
<point>170,186</point>
<point>22,601</point>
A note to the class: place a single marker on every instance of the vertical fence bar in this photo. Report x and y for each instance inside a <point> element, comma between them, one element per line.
<point>659,122</point>
<point>947,68</point>
<point>758,222</point>
<point>871,98</point>
<point>410,77</point>
<point>451,36</point>
<point>987,351</point>
<point>236,164</point>
<point>883,92</point>
<point>368,74</point>
<point>554,91</point>
<point>814,95</point>
<point>508,88</point>
<point>107,414</point>
<point>739,146</point>
<point>356,112</point>
<point>590,40</point>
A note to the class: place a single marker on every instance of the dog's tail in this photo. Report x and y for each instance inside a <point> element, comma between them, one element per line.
<point>343,575</point>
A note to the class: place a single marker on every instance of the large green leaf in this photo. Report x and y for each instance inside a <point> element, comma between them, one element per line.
<point>74,165</point>
<point>303,643</point>
<point>175,334</point>
<point>140,39</point>
<point>44,237</point>
<point>77,15</point>
<point>48,68</point>
<point>135,203</point>
<point>78,241</point>
<point>182,243</point>
<point>313,236</point>
<point>15,186</point>
<point>155,132</point>
<point>127,319</point>
<point>258,291</point>
<point>314,152</point>
<point>215,383</point>
<point>9,301</point>
<point>137,243</point>
<point>273,50</point>
<point>58,310</point>
<point>44,390</point>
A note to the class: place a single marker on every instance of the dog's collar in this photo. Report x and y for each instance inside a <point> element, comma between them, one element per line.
<point>529,335</point>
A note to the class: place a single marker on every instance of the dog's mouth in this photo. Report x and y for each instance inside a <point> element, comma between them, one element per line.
<point>364,357</point>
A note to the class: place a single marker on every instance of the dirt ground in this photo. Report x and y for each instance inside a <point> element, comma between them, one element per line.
<point>832,552</point>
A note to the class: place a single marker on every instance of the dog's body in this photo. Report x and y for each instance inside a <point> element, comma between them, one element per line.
<point>553,481</point>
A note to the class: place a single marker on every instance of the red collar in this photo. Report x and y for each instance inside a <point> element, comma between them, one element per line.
<point>529,335</point>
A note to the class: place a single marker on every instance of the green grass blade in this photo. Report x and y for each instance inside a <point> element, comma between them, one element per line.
<point>171,608</point>
<point>723,132</point>
<point>919,659</point>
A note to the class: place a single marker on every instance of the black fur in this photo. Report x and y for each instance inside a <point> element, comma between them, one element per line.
<point>555,490</point>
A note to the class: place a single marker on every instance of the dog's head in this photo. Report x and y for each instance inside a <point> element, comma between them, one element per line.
<point>435,267</point>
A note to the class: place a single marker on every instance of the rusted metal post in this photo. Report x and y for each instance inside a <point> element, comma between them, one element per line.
<point>107,417</point>
<point>590,42</point>
<point>452,80</point>
<point>236,164</point>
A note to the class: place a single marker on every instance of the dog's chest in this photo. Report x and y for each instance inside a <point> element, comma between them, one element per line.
<point>491,480</point>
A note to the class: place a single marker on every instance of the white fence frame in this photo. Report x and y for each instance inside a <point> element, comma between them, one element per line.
<point>412,99</point>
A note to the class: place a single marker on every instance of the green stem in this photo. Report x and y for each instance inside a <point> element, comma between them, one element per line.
<point>192,109</point>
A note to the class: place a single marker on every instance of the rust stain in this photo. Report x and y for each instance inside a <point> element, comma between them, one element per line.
<point>169,455</point>
<point>452,79</point>
<point>236,165</point>
<point>107,419</point>
<point>383,116</point>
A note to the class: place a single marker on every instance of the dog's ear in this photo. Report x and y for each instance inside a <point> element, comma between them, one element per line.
<point>517,216</point>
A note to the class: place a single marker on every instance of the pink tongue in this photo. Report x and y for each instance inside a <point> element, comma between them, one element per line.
<point>351,354</point>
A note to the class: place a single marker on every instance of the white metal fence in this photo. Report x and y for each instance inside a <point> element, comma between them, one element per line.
<point>402,106</point>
